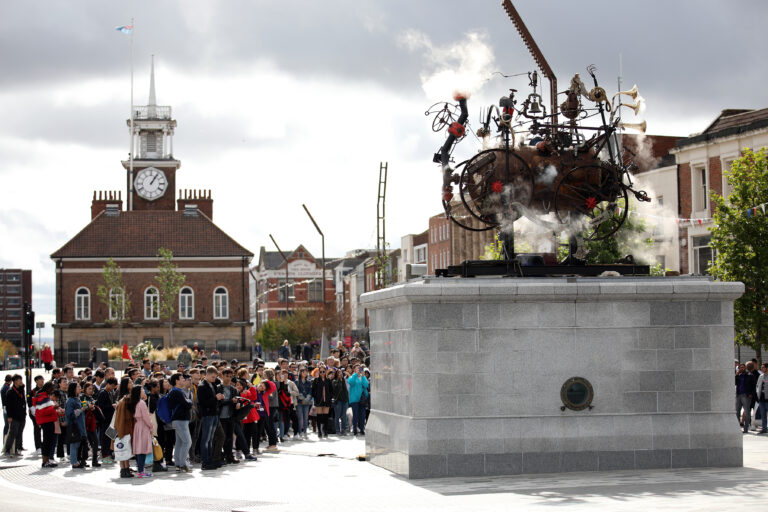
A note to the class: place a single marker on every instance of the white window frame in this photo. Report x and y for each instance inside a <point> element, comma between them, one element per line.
<point>188,304</point>
<point>725,165</point>
<point>220,310</point>
<point>113,296</point>
<point>697,171</point>
<point>150,306</point>
<point>82,304</point>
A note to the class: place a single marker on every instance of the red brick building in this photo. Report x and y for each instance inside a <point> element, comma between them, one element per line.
<point>15,290</point>
<point>212,306</point>
<point>449,244</point>
<point>274,296</point>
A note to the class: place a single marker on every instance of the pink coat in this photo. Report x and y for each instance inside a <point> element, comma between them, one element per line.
<point>141,441</point>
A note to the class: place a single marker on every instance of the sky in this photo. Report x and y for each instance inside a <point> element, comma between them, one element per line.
<point>280,103</point>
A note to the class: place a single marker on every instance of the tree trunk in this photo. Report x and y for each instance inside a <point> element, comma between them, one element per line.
<point>170,325</point>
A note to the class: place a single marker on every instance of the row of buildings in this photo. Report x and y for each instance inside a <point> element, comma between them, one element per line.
<point>226,296</point>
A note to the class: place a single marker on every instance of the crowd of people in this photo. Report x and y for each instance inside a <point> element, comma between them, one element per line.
<point>155,417</point>
<point>752,395</point>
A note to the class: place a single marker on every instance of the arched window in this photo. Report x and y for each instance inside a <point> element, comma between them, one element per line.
<point>186,304</point>
<point>116,304</point>
<point>82,304</point>
<point>220,303</point>
<point>151,304</point>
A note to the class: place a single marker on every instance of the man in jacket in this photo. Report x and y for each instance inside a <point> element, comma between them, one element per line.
<point>184,357</point>
<point>106,403</point>
<point>761,393</point>
<point>16,409</point>
<point>39,381</point>
<point>180,406</point>
<point>745,391</point>
<point>3,390</point>
<point>208,402</point>
<point>229,392</point>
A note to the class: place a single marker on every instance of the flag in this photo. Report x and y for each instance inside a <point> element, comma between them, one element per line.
<point>125,29</point>
<point>126,352</point>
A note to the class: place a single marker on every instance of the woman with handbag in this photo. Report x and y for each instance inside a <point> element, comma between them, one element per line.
<point>124,423</point>
<point>75,425</point>
<point>60,397</point>
<point>250,422</point>
<point>46,418</point>
<point>141,442</point>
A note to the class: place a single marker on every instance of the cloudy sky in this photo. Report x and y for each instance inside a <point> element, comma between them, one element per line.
<point>291,102</point>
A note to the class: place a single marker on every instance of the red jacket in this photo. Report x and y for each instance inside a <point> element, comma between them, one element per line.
<point>252,395</point>
<point>46,356</point>
<point>269,389</point>
<point>45,409</point>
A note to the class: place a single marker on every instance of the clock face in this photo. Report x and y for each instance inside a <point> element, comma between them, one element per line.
<point>150,183</point>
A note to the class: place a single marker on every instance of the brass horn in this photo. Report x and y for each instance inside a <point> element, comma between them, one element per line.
<point>634,126</point>
<point>632,93</point>
<point>634,106</point>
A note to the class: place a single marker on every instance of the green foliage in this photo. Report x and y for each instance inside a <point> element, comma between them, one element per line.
<point>627,240</point>
<point>300,326</point>
<point>142,350</point>
<point>120,304</point>
<point>494,250</point>
<point>169,281</point>
<point>741,244</point>
<point>7,348</point>
<point>385,274</point>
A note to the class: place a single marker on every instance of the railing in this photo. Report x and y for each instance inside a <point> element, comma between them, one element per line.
<point>151,112</point>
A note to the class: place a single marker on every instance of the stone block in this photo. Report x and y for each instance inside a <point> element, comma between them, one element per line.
<point>702,358</point>
<point>446,446</point>
<point>725,457</point>
<point>615,460</point>
<point>427,466</point>
<point>692,289</point>
<point>438,315</point>
<point>689,458</point>
<point>692,337</point>
<point>631,314</point>
<point>726,313</point>
<point>634,432</point>
<point>594,314</point>
<point>457,340</point>
<point>676,401</point>
<point>579,461</point>
<point>639,360</point>
<point>679,359</point>
<point>656,381</point>
<point>702,401</point>
<point>653,459</point>
<point>461,384</point>
<point>693,380</point>
<point>670,431</point>
<point>465,465</point>
<point>503,463</point>
<point>592,433</point>
<point>640,401</point>
<point>542,462</point>
<point>653,289</point>
<point>667,313</point>
<point>656,338</point>
<point>703,313</point>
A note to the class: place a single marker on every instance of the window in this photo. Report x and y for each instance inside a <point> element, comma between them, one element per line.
<point>12,290</point>
<point>13,301</point>
<point>82,304</point>
<point>282,289</point>
<point>116,304</point>
<point>315,291</point>
<point>703,254</point>
<point>186,304</point>
<point>662,260</point>
<point>13,326</point>
<point>151,304</point>
<point>79,352</point>
<point>700,189</point>
<point>221,303</point>
<point>13,313</point>
<point>13,278</point>
<point>727,189</point>
<point>151,142</point>
<point>226,345</point>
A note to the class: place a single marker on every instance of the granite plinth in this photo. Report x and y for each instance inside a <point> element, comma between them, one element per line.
<point>467,375</point>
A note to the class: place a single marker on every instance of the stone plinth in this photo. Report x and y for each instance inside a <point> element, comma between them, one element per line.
<point>467,375</point>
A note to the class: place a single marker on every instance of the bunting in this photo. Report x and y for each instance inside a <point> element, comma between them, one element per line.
<point>750,212</point>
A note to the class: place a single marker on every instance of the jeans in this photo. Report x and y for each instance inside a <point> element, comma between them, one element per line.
<point>183,442</point>
<point>303,411</point>
<point>74,448</point>
<point>358,417</point>
<point>208,429</point>
<point>229,436</point>
<point>13,441</point>
<point>763,406</point>
<point>746,403</point>
<point>340,418</point>
<point>106,442</point>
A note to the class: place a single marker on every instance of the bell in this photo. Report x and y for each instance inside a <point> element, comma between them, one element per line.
<point>535,107</point>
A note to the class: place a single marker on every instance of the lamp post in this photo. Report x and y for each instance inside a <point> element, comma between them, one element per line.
<point>323,342</point>
<point>286,273</point>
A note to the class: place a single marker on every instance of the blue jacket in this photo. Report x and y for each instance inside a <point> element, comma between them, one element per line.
<point>357,386</point>
<point>179,404</point>
<point>74,413</point>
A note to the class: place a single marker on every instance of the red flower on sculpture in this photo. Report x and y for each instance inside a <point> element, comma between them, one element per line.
<point>591,203</point>
<point>497,187</point>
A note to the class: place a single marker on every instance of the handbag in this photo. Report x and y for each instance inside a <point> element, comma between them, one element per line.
<point>157,449</point>
<point>241,413</point>
<point>111,431</point>
<point>123,449</point>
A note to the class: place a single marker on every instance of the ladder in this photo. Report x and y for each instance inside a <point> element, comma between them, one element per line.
<point>381,245</point>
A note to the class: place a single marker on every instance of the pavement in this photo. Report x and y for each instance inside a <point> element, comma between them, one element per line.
<point>319,473</point>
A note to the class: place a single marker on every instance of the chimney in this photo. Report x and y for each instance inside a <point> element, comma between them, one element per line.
<point>190,210</point>
<point>199,199</point>
<point>109,200</point>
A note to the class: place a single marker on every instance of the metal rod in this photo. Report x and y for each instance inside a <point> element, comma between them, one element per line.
<point>131,148</point>
<point>286,272</point>
<point>322,238</point>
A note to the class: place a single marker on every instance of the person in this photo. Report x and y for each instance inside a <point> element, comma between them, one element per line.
<point>761,393</point>
<point>322,394</point>
<point>304,386</point>
<point>124,423</point>
<point>106,406</point>
<point>46,416</point>
<point>258,352</point>
<point>358,391</point>
<point>208,401</point>
<point>91,426</point>
<point>184,357</point>
<point>307,351</point>
<point>264,390</point>
<point>60,397</point>
<point>92,361</point>
<point>75,425</point>
<point>165,434</point>
<point>141,440</point>
<point>250,422</point>
<point>6,386</point>
<point>180,406</point>
<point>16,410</point>
<point>285,350</point>
<point>286,389</point>
<point>340,403</point>
<point>745,390</point>
<point>46,356</point>
<point>228,391</point>
<point>39,381</point>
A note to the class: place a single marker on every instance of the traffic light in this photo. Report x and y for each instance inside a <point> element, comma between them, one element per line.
<point>29,322</point>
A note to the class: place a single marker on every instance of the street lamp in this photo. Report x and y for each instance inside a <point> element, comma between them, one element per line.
<point>286,273</point>
<point>323,342</point>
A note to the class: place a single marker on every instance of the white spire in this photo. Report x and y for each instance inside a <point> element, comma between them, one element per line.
<point>152,100</point>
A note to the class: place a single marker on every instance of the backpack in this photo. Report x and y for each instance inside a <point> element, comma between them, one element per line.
<point>163,411</point>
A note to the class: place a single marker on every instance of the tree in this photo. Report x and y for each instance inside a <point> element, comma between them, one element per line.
<point>386,275</point>
<point>113,294</point>
<point>300,326</point>
<point>740,240</point>
<point>169,282</point>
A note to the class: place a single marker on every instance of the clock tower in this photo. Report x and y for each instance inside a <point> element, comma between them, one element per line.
<point>151,168</point>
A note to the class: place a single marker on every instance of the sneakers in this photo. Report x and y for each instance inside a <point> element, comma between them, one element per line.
<point>38,452</point>
<point>183,469</point>
<point>143,474</point>
<point>107,460</point>
<point>49,465</point>
<point>250,457</point>
<point>272,448</point>
<point>239,455</point>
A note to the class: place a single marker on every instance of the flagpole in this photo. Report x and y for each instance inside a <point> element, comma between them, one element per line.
<point>131,142</point>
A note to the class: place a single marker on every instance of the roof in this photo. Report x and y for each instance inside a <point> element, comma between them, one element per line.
<point>729,122</point>
<point>142,233</point>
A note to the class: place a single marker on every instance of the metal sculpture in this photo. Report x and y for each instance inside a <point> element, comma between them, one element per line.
<point>540,166</point>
